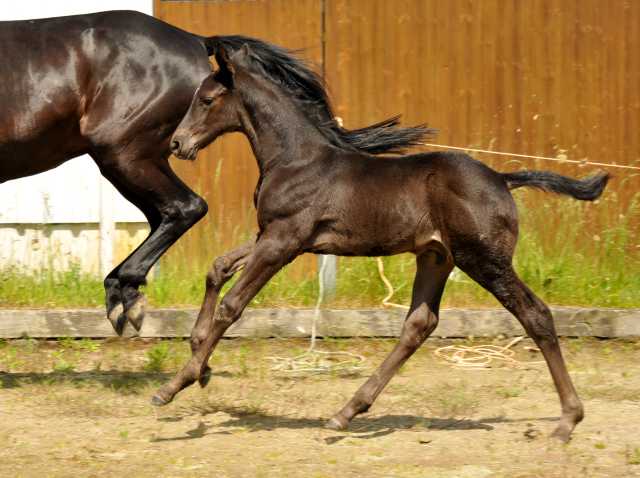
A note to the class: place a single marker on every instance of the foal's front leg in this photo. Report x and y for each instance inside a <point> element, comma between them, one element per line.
<point>223,269</point>
<point>269,256</point>
<point>422,319</point>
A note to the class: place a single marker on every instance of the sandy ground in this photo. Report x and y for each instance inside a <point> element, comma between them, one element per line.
<point>90,417</point>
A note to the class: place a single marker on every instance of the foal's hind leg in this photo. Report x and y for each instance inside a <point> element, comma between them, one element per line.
<point>499,278</point>
<point>421,321</point>
<point>223,269</point>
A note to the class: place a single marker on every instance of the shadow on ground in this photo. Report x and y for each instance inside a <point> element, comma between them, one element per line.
<point>129,383</point>
<point>360,428</point>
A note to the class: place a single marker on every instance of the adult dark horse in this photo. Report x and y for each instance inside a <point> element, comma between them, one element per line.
<point>115,85</point>
<point>321,197</point>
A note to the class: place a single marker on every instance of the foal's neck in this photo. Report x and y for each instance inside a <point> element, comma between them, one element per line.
<point>278,132</point>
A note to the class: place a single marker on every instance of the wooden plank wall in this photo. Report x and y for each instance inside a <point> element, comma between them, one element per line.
<point>537,77</point>
<point>293,24</point>
<point>531,77</point>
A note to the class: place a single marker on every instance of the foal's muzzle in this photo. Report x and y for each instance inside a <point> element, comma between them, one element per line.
<point>180,147</point>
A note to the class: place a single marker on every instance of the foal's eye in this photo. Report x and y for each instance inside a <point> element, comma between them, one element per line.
<point>207,101</point>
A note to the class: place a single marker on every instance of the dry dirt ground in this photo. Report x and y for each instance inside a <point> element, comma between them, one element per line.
<point>81,409</point>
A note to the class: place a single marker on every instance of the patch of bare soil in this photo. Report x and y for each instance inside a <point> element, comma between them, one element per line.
<point>68,410</point>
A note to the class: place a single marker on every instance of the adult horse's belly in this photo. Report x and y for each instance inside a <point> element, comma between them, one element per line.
<point>39,127</point>
<point>38,150</point>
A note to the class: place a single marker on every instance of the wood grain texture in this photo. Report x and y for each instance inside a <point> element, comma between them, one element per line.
<point>537,77</point>
<point>264,323</point>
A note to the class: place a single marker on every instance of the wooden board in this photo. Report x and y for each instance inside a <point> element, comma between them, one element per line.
<point>264,323</point>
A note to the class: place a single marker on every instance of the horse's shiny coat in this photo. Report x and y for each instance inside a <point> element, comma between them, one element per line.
<point>115,85</point>
<point>312,196</point>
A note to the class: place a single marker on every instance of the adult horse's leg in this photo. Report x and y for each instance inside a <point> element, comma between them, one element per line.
<point>421,321</point>
<point>498,277</point>
<point>267,258</point>
<point>115,309</point>
<point>154,185</point>
<point>223,269</point>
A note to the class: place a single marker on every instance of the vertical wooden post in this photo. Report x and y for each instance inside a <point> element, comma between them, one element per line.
<point>107,227</point>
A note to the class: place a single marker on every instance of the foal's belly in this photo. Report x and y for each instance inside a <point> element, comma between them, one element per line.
<point>374,241</point>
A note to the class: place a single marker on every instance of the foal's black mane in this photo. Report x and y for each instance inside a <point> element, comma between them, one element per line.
<point>307,88</point>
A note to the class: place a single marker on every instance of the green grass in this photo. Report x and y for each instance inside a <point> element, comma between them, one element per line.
<point>570,253</point>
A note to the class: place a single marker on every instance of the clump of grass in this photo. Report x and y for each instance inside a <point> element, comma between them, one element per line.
<point>157,357</point>
<point>447,400</point>
<point>8,357</point>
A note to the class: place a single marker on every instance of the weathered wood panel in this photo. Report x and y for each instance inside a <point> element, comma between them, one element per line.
<point>263,323</point>
<point>225,173</point>
<point>537,77</point>
<point>542,78</point>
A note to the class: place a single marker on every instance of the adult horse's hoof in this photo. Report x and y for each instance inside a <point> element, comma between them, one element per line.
<point>334,424</point>
<point>137,311</point>
<point>118,319</point>
<point>205,377</point>
<point>156,401</point>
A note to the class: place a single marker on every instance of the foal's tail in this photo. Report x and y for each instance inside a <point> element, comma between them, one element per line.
<point>585,190</point>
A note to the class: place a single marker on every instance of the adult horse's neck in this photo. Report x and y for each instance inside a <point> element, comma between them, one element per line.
<point>279,133</point>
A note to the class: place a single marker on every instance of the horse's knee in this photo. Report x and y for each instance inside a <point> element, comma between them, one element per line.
<point>419,326</point>
<point>216,274</point>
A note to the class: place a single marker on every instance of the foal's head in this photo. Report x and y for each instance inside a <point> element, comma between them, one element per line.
<point>214,109</point>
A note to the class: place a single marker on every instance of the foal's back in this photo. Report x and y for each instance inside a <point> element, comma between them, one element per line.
<point>385,205</point>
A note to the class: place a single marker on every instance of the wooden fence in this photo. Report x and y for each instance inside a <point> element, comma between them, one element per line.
<point>537,77</point>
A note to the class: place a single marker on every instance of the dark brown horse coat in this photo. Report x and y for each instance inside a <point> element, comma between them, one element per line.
<point>317,195</point>
<point>115,85</point>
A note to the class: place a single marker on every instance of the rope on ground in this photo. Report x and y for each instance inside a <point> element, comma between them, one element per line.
<point>480,356</point>
<point>563,159</point>
<point>316,360</point>
<point>385,302</point>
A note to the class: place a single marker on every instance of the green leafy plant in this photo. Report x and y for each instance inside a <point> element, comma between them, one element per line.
<point>9,358</point>
<point>157,357</point>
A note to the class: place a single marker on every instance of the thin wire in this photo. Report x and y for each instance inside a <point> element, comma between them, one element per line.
<point>532,157</point>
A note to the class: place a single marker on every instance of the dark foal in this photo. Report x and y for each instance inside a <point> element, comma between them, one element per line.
<point>115,85</point>
<point>319,196</point>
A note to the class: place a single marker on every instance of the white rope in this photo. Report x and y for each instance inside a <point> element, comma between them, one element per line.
<point>311,361</point>
<point>582,162</point>
<point>385,302</point>
<point>481,356</point>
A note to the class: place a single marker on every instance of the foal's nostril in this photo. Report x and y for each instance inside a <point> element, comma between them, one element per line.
<point>175,146</point>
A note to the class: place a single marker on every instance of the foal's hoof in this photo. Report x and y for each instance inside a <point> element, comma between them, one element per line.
<point>561,435</point>
<point>137,311</point>
<point>205,377</point>
<point>118,319</point>
<point>156,401</point>
<point>334,424</point>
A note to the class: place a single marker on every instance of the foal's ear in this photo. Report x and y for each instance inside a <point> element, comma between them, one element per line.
<point>244,51</point>
<point>225,75</point>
